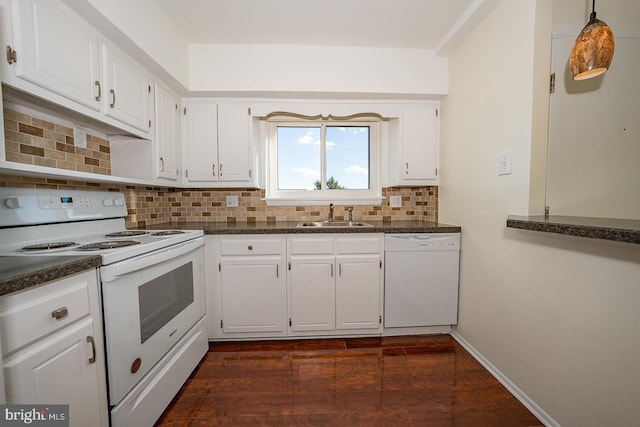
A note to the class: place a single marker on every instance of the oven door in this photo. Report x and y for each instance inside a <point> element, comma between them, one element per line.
<point>149,302</point>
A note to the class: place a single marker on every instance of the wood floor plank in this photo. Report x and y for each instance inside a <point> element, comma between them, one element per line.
<point>427,380</point>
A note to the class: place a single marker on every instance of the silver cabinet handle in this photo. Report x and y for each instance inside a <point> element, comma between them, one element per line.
<point>220,169</point>
<point>91,341</point>
<point>213,169</point>
<point>340,269</point>
<point>161,164</point>
<point>60,313</point>
<point>331,270</point>
<point>406,170</point>
<point>97,83</point>
<point>113,94</point>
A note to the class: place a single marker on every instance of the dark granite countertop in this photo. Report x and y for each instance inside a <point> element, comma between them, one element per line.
<point>290,227</point>
<point>617,230</point>
<point>21,272</point>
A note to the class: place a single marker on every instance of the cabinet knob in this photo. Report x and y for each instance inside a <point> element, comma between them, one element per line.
<point>60,313</point>
<point>250,247</point>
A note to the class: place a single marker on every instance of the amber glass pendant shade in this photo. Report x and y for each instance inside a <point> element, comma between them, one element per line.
<point>592,51</point>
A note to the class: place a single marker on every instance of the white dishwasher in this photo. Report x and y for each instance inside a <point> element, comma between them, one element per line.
<point>421,279</point>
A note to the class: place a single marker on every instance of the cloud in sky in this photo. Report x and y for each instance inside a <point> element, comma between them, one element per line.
<point>308,138</point>
<point>355,169</point>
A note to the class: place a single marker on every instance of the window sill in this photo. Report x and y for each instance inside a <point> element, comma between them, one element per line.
<point>339,201</point>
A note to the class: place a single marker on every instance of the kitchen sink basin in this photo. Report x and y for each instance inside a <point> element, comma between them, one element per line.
<point>333,224</point>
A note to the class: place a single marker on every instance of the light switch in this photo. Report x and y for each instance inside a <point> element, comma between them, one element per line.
<point>504,163</point>
<point>395,201</point>
<point>232,201</point>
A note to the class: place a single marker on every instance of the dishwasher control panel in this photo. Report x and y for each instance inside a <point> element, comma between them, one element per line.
<point>422,242</point>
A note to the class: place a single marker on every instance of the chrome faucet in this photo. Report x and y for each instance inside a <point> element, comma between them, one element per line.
<point>330,211</point>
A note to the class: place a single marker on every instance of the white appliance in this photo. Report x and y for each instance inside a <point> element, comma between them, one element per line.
<point>421,279</point>
<point>152,286</point>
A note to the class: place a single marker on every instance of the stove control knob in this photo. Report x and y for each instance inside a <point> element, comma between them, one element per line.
<point>13,202</point>
<point>107,202</point>
<point>118,202</point>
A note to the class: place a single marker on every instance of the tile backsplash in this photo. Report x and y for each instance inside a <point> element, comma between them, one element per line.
<point>155,205</point>
<point>33,141</point>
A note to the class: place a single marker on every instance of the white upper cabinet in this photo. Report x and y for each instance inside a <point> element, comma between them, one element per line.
<point>218,145</point>
<point>414,139</point>
<point>201,142</point>
<point>168,133</point>
<point>127,89</point>
<point>57,50</point>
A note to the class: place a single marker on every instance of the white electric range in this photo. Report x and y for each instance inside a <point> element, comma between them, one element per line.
<point>151,283</point>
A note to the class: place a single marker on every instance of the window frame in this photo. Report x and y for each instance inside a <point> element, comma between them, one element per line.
<point>277,197</point>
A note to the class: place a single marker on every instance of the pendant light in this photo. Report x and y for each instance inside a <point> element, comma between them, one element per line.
<point>593,49</point>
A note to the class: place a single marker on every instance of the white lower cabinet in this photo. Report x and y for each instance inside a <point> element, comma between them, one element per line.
<point>332,285</point>
<point>312,294</point>
<point>335,284</point>
<point>246,286</point>
<point>53,348</point>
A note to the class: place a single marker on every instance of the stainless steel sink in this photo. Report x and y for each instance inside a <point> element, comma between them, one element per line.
<point>332,224</point>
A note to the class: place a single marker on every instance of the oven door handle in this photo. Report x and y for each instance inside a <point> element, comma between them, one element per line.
<point>111,272</point>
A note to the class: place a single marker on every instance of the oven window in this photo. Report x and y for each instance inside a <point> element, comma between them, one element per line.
<point>163,298</point>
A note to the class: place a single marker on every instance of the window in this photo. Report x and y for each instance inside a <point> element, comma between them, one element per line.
<point>316,162</point>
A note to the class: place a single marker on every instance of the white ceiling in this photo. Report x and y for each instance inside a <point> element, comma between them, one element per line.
<point>424,24</point>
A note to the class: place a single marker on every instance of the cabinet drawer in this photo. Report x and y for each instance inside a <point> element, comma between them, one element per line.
<point>316,246</point>
<point>30,315</point>
<point>251,247</point>
<point>359,245</point>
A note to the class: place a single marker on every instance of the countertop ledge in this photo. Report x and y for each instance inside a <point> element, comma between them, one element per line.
<point>18,273</point>
<point>611,229</point>
<point>290,227</point>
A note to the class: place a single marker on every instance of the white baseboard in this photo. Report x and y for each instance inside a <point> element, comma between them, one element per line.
<point>536,410</point>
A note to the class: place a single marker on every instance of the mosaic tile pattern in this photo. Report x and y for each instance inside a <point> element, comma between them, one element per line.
<point>418,203</point>
<point>38,142</point>
<point>156,205</point>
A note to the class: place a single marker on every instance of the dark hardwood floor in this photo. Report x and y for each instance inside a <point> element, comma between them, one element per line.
<point>427,380</point>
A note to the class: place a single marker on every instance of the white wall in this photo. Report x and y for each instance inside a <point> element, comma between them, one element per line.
<point>145,24</point>
<point>316,69</point>
<point>557,316</point>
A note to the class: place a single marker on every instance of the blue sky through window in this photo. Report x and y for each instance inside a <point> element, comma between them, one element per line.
<point>299,156</point>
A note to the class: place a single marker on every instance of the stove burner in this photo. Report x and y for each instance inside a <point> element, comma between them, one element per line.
<point>107,245</point>
<point>127,233</point>
<point>48,246</point>
<point>167,233</point>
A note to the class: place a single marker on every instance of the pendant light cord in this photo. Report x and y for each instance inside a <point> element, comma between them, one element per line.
<point>592,17</point>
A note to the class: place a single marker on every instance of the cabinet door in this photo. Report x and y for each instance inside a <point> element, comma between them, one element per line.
<point>312,294</point>
<point>167,134</point>
<point>127,90</point>
<point>234,124</point>
<point>253,294</point>
<point>57,50</point>
<point>201,145</point>
<point>58,370</point>
<point>358,292</point>
<point>419,148</point>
